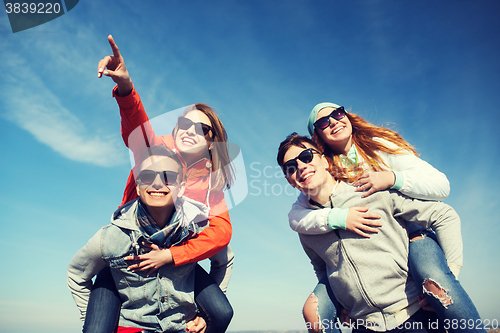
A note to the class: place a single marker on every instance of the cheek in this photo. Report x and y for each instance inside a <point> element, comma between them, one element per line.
<point>177,135</point>
<point>322,135</point>
<point>347,123</point>
<point>291,181</point>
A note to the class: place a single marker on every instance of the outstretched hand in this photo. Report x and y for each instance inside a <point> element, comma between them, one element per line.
<point>114,67</point>
<point>152,260</point>
<point>362,222</point>
<point>372,182</point>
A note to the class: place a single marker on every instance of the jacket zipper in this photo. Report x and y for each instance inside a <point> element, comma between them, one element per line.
<point>351,262</point>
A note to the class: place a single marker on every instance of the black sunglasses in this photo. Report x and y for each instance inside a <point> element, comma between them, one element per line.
<point>184,123</point>
<point>306,156</point>
<point>324,122</point>
<point>147,177</point>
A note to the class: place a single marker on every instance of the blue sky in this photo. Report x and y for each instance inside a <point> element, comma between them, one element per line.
<point>428,69</point>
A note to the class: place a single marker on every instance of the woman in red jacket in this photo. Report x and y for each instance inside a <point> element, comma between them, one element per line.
<point>201,140</point>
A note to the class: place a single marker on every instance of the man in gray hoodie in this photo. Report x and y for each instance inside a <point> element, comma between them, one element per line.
<point>369,276</point>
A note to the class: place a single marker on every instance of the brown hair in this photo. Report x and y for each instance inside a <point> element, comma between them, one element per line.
<point>217,141</point>
<point>159,150</point>
<point>299,141</point>
<point>292,140</point>
<point>363,135</point>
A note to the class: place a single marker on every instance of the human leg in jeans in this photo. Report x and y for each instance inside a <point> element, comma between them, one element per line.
<point>321,308</point>
<point>421,322</point>
<point>104,306</point>
<point>430,272</point>
<point>103,309</point>
<point>211,301</point>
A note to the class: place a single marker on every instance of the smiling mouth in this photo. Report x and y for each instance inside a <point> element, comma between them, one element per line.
<point>158,194</point>
<point>188,141</point>
<point>305,177</point>
<point>338,130</point>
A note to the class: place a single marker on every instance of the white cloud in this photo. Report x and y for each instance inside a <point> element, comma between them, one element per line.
<point>33,106</point>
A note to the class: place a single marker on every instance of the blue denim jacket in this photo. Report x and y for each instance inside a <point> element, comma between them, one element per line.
<point>162,302</point>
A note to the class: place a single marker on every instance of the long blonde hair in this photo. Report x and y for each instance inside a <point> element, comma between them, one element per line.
<point>363,137</point>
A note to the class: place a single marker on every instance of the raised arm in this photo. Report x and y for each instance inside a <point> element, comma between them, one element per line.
<point>137,133</point>
<point>134,119</point>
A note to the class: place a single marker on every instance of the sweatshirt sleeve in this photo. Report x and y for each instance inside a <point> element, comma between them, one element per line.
<point>132,113</point>
<point>415,177</point>
<point>86,263</point>
<point>305,220</point>
<point>211,240</point>
<point>221,267</point>
<point>439,217</point>
<point>319,265</point>
<point>137,133</point>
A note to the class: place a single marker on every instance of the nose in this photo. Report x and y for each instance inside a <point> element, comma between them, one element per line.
<point>191,130</point>
<point>332,121</point>
<point>157,183</point>
<point>301,166</point>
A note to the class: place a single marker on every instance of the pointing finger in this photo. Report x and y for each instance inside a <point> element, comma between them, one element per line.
<point>114,47</point>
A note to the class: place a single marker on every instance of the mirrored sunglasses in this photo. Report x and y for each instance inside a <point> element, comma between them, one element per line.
<point>324,122</point>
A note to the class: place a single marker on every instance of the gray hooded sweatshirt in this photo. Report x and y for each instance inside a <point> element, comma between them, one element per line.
<point>369,276</point>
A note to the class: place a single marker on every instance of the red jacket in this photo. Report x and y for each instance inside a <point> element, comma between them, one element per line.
<point>218,234</point>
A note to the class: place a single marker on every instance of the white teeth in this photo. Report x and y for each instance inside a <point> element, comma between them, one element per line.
<point>157,194</point>
<point>337,130</point>
<point>188,141</point>
<point>306,176</point>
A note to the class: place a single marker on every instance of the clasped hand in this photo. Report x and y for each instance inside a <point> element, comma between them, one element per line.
<point>372,182</point>
<point>152,260</point>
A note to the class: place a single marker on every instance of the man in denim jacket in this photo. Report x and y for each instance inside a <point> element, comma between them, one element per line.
<point>160,300</point>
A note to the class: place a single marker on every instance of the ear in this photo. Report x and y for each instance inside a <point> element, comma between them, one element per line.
<point>324,161</point>
<point>137,188</point>
<point>182,187</point>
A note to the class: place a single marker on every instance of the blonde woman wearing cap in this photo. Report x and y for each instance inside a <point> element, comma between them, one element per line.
<point>375,158</point>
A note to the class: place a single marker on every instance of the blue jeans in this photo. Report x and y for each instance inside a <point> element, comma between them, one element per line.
<point>328,306</point>
<point>103,309</point>
<point>426,261</point>
<point>429,269</point>
<point>421,322</point>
